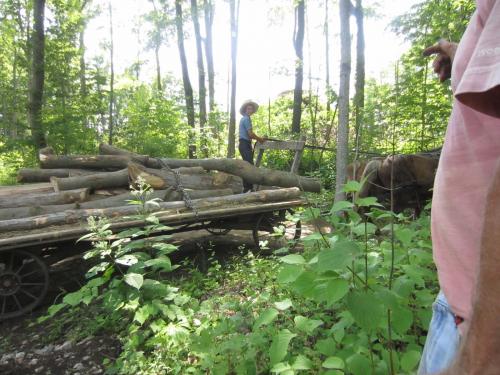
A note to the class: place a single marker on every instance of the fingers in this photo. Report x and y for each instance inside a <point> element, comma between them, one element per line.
<point>442,47</point>
<point>436,48</point>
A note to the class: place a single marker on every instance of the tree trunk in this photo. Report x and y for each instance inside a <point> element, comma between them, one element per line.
<point>162,179</point>
<point>25,175</point>
<point>81,52</point>
<point>37,76</point>
<point>327,62</point>
<point>188,89</point>
<point>74,216</point>
<point>202,94</point>
<point>84,161</point>
<point>231,137</point>
<point>209,18</point>
<point>298,43</point>
<point>112,75</point>
<point>158,72</point>
<point>359,96</point>
<point>168,195</point>
<point>15,190</point>
<point>77,195</point>
<point>93,181</point>
<point>345,72</point>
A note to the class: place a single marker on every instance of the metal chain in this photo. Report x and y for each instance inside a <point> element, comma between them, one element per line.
<point>178,186</point>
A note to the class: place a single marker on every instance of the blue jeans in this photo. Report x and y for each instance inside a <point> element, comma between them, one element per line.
<point>246,151</point>
<point>442,340</point>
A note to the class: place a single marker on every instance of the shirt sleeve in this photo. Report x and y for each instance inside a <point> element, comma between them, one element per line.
<point>479,87</point>
<point>247,123</point>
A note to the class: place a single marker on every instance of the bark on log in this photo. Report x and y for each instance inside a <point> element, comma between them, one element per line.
<point>70,196</point>
<point>74,216</point>
<point>168,195</point>
<point>250,173</point>
<point>43,175</point>
<point>84,161</point>
<point>254,175</point>
<point>9,191</point>
<point>161,179</point>
<point>93,181</point>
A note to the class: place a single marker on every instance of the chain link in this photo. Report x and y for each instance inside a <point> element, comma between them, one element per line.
<point>178,186</point>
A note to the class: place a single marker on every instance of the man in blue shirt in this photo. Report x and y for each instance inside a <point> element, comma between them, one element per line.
<point>246,135</point>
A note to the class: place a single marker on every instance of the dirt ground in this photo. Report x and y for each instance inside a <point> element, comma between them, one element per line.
<point>27,348</point>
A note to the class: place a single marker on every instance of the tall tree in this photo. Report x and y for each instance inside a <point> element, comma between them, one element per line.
<point>345,74</point>
<point>188,89</point>
<point>156,40</point>
<point>81,48</point>
<point>37,78</point>
<point>209,20</point>
<point>202,92</point>
<point>298,43</point>
<point>359,96</point>
<point>234,12</point>
<point>112,75</point>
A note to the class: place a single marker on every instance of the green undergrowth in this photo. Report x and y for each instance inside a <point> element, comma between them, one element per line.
<point>356,301</point>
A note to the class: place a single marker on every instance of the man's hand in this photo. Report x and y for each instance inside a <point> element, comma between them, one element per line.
<point>445,52</point>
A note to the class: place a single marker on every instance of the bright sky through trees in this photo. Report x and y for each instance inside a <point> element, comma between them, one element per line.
<point>265,54</point>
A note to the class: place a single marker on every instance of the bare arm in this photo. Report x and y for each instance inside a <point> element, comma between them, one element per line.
<point>252,135</point>
<point>479,352</point>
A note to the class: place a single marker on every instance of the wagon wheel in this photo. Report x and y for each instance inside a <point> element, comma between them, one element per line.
<point>217,231</point>
<point>265,224</point>
<point>24,280</point>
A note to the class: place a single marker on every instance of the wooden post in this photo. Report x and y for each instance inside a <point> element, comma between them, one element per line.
<point>298,155</point>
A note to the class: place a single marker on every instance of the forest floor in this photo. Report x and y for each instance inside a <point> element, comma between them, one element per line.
<point>57,346</point>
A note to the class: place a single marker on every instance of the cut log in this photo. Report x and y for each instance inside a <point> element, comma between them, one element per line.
<point>9,191</point>
<point>93,181</point>
<point>43,175</point>
<point>115,201</point>
<point>111,162</point>
<point>161,179</point>
<point>70,196</point>
<point>250,173</point>
<point>74,216</point>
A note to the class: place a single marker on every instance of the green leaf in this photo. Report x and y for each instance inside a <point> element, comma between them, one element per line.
<point>351,187</point>
<point>340,205</point>
<point>305,324</point>
<point>302,363</point>
<point>358,364</point>
<point>405,235</point>
<point>304,284</point>
<point>289,273</point>
<point>366,309</point>
<point>266,317</point>
<point>135,280</point>
<point>127,260</point>
<point>74,298</point>
<point>410,360</point>
<point>326,346</point>
<point>280,368</point>
<point>143,313</point>
<point>293,259</point>
<point>338,257</point>
<point>161,262</point>
<point>331,291</point>
<point>279,346</point>
<point>283,305</point>
<point>333,363</point>
<point>366,202</point>
<point>402,319</point>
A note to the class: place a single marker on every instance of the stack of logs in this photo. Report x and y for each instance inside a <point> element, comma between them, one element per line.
<point>68,189</point>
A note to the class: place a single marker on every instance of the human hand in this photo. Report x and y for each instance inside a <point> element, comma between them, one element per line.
<point>445,52</point>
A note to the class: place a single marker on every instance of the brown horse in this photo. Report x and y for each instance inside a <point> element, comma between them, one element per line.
<point>413,179</point>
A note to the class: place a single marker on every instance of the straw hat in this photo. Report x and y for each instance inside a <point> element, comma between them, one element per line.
<point>245,104</point>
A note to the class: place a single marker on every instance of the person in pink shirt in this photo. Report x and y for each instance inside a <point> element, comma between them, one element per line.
<point>464,335</point>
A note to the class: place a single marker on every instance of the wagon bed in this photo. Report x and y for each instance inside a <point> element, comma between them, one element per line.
<point>24,276</point>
